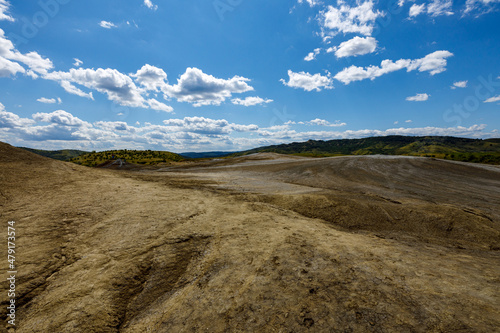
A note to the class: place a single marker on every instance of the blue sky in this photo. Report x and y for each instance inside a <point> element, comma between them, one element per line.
<point>236,74</point>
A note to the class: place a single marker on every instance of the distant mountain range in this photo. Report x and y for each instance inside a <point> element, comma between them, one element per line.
<point>459,149</point>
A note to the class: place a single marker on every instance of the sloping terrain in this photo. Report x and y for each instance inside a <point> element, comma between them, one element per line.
<point>446,147</point>
<point>61,155</point>
<point>260,244</point>
<point>209,154</point>
<point>441,201</point>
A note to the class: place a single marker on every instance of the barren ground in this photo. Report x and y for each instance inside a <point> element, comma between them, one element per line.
<point>262,243</point>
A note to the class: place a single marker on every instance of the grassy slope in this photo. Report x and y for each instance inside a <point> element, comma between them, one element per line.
<point>459,149</point>
<point>61,155</point>
<point>147,157</point>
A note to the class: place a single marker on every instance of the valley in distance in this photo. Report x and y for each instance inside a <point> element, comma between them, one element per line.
<point>392,234</point>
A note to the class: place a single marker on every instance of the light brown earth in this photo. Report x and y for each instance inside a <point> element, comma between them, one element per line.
<point>263,243</point>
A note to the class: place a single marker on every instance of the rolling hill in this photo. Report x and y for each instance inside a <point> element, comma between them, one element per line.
<point>452,148</point>
<point>61,155</point>
<point>444,147</point>
<point>145,157</point>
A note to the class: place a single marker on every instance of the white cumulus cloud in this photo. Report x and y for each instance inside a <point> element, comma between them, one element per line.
<point>9,68</point>
<point>4,11</point>
<point>418,98</point>
<point>77,62</point>
<point>150,5</point>
<point>493,99</point>
<point>440,7</point>
<point>49,100</point>
<point>60,117</point>
<point>312,55</point>
<point>132,90</point>
<point>307,81</point>
<point>194,86</point>
<point>481,6</point>
<point>107,25</point>
<point>119,87</point>
<point>111,126</point>
<point>151,77</point>
<point>11,60</point>
<point>433,63</point>
<point>159,106</point>
<point>250,101</point>
<point>354,47</point>
<point>12,120</point>
<point>416,10</point>
<point>434,8</point>
<point>343,18</point>
<point>459,84</point>
<point>310,2</point>
<point>199,89</point>
<point>322,122</point>
<point>69,88</point>
<point>207,126</point>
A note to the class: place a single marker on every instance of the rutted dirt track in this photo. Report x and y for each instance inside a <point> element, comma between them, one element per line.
<point>257,244</point>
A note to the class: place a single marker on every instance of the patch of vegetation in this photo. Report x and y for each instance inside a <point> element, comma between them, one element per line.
<point>144,157</point>
<point>445,147</point>
<point>61,155</point>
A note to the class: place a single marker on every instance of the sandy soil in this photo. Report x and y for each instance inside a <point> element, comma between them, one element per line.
<point>263,243</point>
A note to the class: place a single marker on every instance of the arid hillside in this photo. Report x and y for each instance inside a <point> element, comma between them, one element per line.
<point>260,243</point>
<point>446,147</point>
